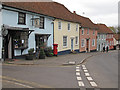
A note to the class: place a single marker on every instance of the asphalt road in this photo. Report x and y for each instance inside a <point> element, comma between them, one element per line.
<point>103,69</point>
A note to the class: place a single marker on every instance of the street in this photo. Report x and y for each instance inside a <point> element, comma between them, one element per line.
<point>98,71</point>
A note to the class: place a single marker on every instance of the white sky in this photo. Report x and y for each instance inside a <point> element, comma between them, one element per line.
<point>99,11</point>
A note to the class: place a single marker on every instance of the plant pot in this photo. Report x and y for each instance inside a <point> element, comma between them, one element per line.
<point>29,57</point>
<point>42,56</point>
<point>49,55</point>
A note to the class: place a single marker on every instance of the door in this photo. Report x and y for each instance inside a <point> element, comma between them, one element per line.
<point>87,45</point>
<point>71,44</point>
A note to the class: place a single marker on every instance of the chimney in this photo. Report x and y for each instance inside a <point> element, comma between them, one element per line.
<point>74,12</point>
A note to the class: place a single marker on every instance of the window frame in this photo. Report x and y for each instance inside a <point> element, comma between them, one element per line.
<point>94,32</point>
<point>88,31</point>
<point>59,25</point>
<point>42,22</point>
<point>82,42</point>
<point>68,26</point>
<point>76,27</point>
<point>93,40</point>
<point>82,31</point>
<point>76,40</point>
<point>65,41</point>
<point>23,17</point>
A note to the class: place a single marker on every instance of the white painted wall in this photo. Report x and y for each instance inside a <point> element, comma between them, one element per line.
<point>0,32</point>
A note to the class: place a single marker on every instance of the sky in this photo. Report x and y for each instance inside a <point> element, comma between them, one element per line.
<point>99,11</point>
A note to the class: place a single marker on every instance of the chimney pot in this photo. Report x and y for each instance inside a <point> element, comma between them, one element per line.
<point>74,12</point>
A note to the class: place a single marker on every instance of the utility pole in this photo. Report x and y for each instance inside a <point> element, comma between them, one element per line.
<point>1,39</point>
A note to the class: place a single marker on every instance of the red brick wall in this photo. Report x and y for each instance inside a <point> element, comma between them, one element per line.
<point>91,36</point>
<point>109,39</point>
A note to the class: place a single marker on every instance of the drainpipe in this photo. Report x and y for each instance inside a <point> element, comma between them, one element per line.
<point>1,39</point>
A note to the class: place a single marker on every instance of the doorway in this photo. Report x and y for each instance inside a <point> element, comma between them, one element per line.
<point>87,45</point>
<point>71,44</point>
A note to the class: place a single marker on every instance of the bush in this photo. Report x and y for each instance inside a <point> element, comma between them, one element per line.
<point>42,53</point>
<point>49,51</point>
<point>31,51</point>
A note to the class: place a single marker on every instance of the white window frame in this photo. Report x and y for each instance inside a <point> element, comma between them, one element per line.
<point>94,32</point>
<point>93,40</point>
<point>82,42</point>
<point>88,31</point>
<point>59,25</point>
<point>76,40</point>
<point>76,27</point>
<point>64,41</point>
<point>82,31</point>
<point>68,26</point>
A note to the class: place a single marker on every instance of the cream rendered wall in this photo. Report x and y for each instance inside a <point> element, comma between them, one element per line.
<point>59,33</point>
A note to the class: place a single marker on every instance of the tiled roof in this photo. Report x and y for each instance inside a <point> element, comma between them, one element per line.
<point>116,36</point>
<point>102,28</point>
<point>52,9</point>
<point>85,22</point>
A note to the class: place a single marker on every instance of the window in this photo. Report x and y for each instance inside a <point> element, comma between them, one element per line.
<point>93,32</point>
<point>77,27</point>
<point>88,31</point>
<point>21,18</point>
<point>64,41</point>
<point>41,22</point>
<point>20,40</point>
<point>68,26</point>
<point>93,42</point>
<point>82,31</point>
<point>76,40</point>
<point>59,25</point>
<point>82,43</point>
<point>36,23</point>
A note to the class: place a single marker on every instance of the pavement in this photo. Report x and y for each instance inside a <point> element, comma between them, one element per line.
<point>68,59</point>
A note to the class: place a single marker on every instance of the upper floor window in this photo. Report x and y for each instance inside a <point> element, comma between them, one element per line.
<point>88,31</point>
<point>82,31</point>
<point>59,25</point>
<point>93,32</point>
<point>68,26</point>
<point>21,18</point>
<point>77,27</point>
<point>41,22</point>
<point>93,42</point>
<point>76,40</point>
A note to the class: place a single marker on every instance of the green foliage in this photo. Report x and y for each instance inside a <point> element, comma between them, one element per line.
<point>31,51</point>
<point>42,51</point>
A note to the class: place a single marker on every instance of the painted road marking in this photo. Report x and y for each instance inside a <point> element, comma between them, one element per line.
<point>85,70</point>
<point>80,83</point>
<point>77,73</point>
<point>79,78</point>
<point>77,70</point>
<point>83,66</point>
<point>89,78</point>
<point>27,86</point>
<point>93,84</point>
<point>23,85</point>
<point>87,74</point>
<point>77,67</point>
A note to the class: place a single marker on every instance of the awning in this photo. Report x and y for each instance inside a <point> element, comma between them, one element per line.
<point>10,28</point>
<point>6,27</point>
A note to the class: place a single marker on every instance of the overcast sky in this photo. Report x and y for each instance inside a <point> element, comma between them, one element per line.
<point>99,11</point>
